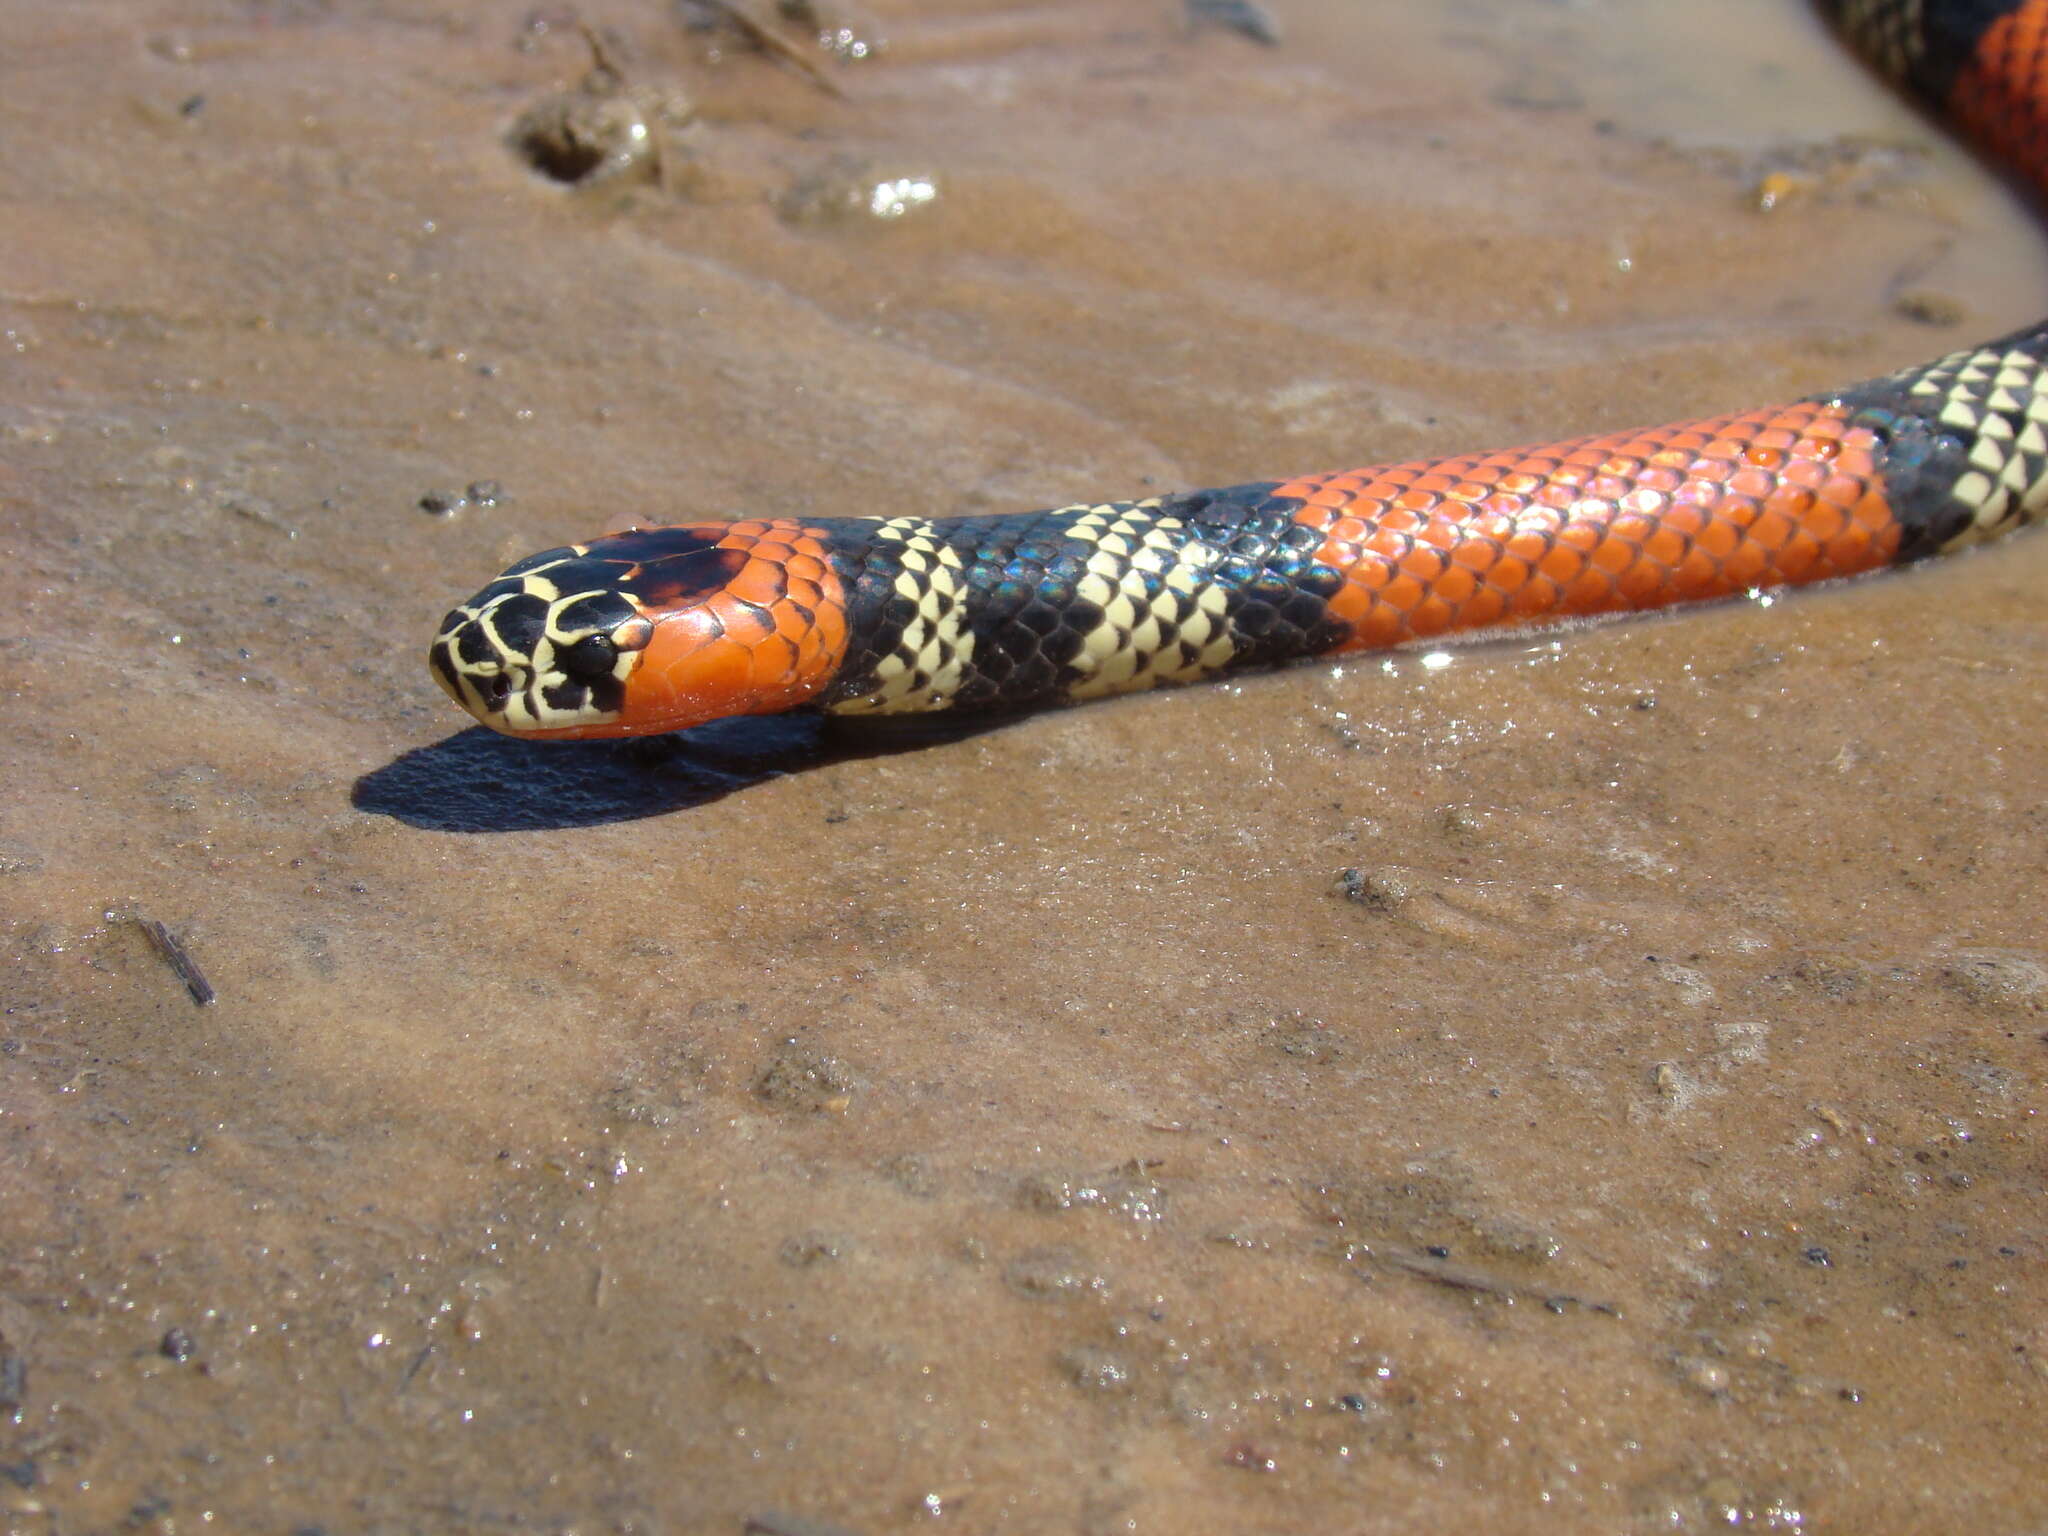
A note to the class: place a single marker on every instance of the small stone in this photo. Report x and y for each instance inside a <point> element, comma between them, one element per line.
<point>1240,16</point>
<point>1708,1376</point>
<point>176,1344</point>
<point>1372,888</point>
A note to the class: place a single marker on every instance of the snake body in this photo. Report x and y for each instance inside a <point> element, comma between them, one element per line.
<point>660,628</point>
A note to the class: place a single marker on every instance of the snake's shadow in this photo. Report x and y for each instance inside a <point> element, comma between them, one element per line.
<point>479,781</point>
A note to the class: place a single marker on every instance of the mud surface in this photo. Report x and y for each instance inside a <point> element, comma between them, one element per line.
<point>1578,1083</point>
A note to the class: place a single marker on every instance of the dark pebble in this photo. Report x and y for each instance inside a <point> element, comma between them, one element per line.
<point>176,1345</point>
<point>1240,16</point>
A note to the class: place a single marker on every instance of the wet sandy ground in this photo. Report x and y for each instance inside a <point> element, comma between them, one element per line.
<point>1579,1083</point>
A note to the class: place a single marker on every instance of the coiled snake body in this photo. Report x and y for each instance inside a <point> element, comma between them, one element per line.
<point>661,628</point>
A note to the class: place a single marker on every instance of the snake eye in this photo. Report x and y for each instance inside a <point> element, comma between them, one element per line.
<point>588,659</point>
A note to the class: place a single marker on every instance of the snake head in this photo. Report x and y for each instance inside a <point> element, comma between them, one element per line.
<point>652,630</point>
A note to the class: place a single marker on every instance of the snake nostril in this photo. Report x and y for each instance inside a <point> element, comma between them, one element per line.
<point>497,688</point>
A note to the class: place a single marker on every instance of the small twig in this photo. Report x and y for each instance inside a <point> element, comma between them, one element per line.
<point>179,958</point>
<point>775,1522</point>
<point>769,41</point>
<point>1458,1278</point>
<point>601,58</point>
<point>426,1353</point>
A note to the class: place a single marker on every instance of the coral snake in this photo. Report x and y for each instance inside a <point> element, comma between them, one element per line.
<point>661,628</point>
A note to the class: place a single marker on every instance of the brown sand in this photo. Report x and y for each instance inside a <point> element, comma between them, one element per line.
<point>1035,1130</point>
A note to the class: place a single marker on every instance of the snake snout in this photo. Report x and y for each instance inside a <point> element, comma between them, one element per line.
<point>473,665</point>
<point>525,658</point>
